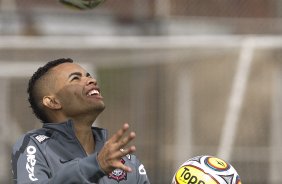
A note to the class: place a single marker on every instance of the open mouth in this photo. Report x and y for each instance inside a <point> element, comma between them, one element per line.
<point>93,92</point>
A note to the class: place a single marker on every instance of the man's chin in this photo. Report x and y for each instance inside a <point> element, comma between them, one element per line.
<point>100,108</point>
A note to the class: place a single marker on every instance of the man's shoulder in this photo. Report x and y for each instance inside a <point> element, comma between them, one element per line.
<point>37,135</point>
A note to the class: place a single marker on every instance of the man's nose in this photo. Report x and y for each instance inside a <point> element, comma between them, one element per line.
<point>91,81</point>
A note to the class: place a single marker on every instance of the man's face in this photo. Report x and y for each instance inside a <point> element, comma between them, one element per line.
<point>76,90</point>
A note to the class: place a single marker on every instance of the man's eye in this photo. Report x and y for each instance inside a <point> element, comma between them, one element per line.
<point>75,78</point>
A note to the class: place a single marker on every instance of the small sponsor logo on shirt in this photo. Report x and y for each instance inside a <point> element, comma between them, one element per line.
<point>128,155</point>
<point>142,170</point>
<point>118,174</point>
<point>41,138</point>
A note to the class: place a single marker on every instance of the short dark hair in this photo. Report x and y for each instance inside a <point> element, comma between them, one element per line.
<point>33,82</point>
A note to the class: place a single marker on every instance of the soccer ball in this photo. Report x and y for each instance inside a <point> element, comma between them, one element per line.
<point>206,170</point>
<point>82,4</point>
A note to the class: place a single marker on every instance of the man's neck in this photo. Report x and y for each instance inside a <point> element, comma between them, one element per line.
<point>82,128</point>
<point>85,136</point>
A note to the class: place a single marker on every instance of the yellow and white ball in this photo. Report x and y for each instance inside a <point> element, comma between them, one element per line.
<point>206,170</point>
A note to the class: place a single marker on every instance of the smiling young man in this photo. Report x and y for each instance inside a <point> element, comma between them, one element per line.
<point>67,149</point>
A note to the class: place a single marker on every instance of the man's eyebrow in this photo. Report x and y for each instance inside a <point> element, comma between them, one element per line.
<point>79,74</point>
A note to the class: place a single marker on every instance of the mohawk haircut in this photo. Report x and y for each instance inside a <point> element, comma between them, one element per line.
<point>33,81</point>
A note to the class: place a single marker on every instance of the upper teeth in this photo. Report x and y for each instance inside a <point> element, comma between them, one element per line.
<point>93,92</point>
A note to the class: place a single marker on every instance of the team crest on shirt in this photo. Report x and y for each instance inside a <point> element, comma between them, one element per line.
<point>118,174</point>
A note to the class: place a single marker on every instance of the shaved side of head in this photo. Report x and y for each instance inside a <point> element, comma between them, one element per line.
<point>42,83</point>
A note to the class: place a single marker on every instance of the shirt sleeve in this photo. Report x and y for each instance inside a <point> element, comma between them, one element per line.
<point>141,173</point>
<point>29,165</point>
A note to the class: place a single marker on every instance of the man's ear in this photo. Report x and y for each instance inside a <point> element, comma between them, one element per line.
<point>51,102</point>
